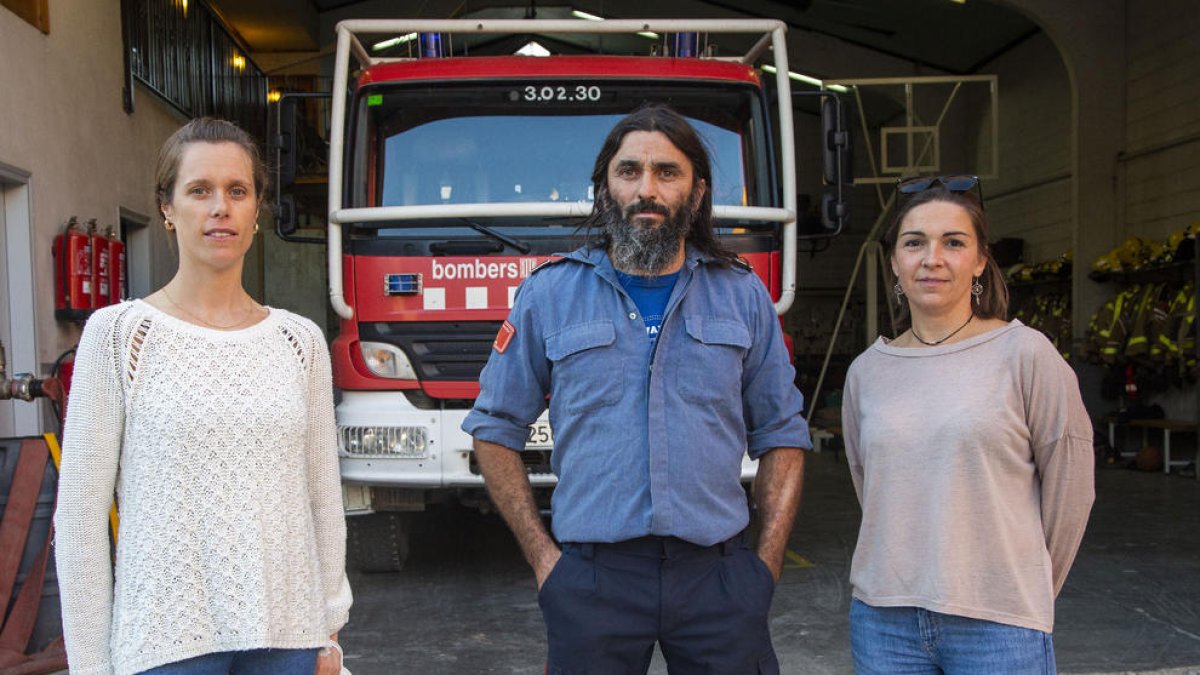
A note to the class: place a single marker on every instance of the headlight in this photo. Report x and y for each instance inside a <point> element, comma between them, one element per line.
<point>384,441</point>
<point>387,360</point>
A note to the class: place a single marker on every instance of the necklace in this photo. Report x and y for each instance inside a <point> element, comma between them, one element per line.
<point>206,323</point>
<point>938,342</point>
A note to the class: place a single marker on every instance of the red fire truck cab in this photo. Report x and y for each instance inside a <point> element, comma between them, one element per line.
<point>451,179</point>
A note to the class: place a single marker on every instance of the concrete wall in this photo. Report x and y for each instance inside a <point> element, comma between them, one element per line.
<point>64,125</point>
<point>1160,164</point>
<point>67,129</point>
<point>1031,197</point>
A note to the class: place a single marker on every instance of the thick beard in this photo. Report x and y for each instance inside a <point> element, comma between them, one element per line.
<point>646,249</point>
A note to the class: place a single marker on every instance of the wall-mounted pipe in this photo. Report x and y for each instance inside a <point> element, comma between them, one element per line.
<point>24,386</point>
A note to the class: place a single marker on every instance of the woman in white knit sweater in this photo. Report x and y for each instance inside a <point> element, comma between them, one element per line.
<point>212,418</point>
<point>971,453</point>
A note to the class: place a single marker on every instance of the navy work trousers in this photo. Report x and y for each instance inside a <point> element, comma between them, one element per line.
<point>605,606</point>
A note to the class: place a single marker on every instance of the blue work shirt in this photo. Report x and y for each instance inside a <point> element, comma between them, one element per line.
<point>648,439</point>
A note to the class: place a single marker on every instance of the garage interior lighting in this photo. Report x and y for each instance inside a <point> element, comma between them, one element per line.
<point>533,49</point>
<point>586,16</point>
<point>403,39</point>
<point>807,79</point>
<point>580,14</point>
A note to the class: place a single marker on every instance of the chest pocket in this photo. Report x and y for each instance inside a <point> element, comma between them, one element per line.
<point>709,370</point>
<point>587,371</point>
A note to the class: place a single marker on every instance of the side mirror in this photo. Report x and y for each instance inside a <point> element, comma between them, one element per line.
<point>283,149</point>
<point>837,153</point>
<point>838,164</point>
<point>293,140</point>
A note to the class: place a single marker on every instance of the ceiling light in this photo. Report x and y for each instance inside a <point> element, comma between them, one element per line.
<point>580,14</point>
<point>533,49</point>
<point>379,46</point>
<point>807,79</point>
<point>274,95</point>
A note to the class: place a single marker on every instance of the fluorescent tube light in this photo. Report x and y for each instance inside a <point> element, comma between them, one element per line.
<point>380,46</point>
<point>807,79</point>
<point>580,14</point>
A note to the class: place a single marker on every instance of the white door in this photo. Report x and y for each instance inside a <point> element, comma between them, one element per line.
<point>18,325</point>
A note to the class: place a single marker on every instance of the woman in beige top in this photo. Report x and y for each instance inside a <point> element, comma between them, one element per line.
<point>971,454</point>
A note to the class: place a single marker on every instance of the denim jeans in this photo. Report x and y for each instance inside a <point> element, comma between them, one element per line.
<point>249,662</point>
<point>912,640</point>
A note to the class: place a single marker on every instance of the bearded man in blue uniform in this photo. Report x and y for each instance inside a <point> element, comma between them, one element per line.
<point>664,363</point>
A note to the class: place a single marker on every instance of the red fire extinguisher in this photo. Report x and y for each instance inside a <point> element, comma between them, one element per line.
<point>116,267</point>
<point>100,265</point>
<point>73,273</point>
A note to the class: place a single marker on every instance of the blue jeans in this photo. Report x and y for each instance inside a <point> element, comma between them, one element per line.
<point>912,640</point>
<point>249,662</point>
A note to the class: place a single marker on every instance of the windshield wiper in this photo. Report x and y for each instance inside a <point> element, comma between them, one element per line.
<point>503,238</point>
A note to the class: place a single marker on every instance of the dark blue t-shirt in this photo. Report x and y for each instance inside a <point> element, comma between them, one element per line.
<point>651,295</point>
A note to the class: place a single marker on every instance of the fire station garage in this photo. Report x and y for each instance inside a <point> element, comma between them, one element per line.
<point>425,158</point>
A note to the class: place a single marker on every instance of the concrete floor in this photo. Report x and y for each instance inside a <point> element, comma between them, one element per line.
<point>466,604</point>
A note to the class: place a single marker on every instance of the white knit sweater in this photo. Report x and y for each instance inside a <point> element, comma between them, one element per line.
<point>222,448</point>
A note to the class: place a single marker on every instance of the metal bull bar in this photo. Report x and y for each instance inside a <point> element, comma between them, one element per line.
<point>773,36</point>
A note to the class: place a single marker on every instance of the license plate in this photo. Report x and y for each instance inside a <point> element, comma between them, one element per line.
<point>540,437</point>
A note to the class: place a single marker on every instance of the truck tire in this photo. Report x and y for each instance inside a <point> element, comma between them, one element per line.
<point>378,542</point>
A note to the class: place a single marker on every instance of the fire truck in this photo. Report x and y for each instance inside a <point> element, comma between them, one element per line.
<point>450,178</point>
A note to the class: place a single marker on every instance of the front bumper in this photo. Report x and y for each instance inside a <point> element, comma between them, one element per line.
<point>448,460</point>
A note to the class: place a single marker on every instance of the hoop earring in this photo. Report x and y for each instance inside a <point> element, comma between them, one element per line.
<point>898,291</point>
<point>976,290</point>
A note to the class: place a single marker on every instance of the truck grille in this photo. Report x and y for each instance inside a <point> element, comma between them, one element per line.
<point>454,352</point>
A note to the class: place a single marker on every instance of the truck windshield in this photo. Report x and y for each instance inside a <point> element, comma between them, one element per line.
<point>421,144</point>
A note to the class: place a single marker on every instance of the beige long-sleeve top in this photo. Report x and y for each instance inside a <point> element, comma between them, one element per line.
<point>222,448</point>
<point>973,464</point>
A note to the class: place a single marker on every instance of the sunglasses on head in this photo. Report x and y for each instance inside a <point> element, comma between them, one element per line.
<point>964,183</point>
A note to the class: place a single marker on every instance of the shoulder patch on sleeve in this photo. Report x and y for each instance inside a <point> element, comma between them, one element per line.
<point>503,337</point>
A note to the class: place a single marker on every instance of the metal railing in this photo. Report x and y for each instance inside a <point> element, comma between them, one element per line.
<point>185,55</point>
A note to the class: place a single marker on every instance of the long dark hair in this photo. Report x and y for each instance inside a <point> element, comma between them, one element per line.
<point>993,302</point>
<point>661,118</point>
